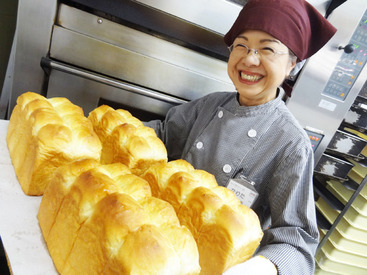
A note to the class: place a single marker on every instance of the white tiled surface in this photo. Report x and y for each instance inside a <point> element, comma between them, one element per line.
<point>19,229</point>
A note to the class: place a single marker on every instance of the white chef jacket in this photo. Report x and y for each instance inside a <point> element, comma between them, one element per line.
<point>215,133</point>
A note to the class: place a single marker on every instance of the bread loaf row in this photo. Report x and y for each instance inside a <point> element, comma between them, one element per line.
<point>226,232</point>
<point>213,214</point>
<point>98,176</point>
<point>44,134</point>
<point>101,219</point>
<point>126,140</point>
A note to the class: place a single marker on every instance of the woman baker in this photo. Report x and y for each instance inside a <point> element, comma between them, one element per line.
<point>251,135</point>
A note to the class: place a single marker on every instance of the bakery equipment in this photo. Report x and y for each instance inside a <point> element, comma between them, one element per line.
<point>329,101</point>
<point>333,167</point>
<point>331,80</point>
<point>347,144</point>
<point>139,55</point>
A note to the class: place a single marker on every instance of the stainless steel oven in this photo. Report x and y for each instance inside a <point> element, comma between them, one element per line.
<point>330,87</point>
<point>329,100</point>
<point>145,56</point>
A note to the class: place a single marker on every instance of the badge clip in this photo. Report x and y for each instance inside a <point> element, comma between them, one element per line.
<point>243,189</point>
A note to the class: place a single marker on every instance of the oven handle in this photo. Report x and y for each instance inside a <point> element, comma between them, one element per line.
<point>48,64</point>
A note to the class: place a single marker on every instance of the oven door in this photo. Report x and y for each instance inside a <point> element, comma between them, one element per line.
<point>89,90</point>
<point>95,61</point>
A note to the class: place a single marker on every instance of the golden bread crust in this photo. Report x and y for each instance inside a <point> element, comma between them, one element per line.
<point>97,177</point>
<point>44,134</point>
<point>108,222</point>
<point>125,139</point>
<point>78,205</point>
<point>226,232</point>
<point>58,187</point>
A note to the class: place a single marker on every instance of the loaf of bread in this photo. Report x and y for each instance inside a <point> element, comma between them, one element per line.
<point>78,204</point>
<point>101,219</point>
<point>60,184</point>
<point>97,177</point>
<point>226,232</point>
<point>126,140</point>
<point>104,119</point>
<point>158,175</point>
<point>44,134</point>
<point>129,236</point>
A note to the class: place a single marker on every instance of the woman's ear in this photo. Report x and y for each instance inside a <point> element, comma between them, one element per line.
<point>291,67</point>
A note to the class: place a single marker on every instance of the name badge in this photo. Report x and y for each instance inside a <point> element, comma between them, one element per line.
<point>244,190</point>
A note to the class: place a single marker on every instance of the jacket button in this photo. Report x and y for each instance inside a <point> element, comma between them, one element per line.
<point>199,145</point>
<point>227,168</point>
<point>252,133</point>
<point>220,114</point>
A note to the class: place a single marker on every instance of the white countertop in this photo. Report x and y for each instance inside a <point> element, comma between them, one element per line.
<point>19,229</point>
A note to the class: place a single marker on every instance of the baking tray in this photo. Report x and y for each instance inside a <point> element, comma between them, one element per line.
<point>332,167</point>
<point>354,217</point>
<point>357,114</point>
<point>320,271</point>
<point>345,226</point>
<point>343,243</point>
<point>327,263</point>
<point>344,194</point>
<point>355,132</point>
<point>347,145</point>
<point>357,174</point>
<point>338,253</point>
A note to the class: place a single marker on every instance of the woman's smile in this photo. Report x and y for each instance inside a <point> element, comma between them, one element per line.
<point>251,78</point>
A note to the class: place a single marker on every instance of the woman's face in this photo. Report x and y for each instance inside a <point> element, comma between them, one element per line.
<point>257,76</point>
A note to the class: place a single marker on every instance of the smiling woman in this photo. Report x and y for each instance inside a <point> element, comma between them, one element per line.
<point>257,76</point>
<point>249,136</point>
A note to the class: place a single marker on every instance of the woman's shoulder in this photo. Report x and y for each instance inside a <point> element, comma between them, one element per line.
<point>293,129</point>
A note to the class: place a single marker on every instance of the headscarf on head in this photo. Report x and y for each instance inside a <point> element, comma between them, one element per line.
<point>296,23</point>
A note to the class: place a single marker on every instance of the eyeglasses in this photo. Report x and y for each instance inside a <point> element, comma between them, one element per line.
<point>266,52</point>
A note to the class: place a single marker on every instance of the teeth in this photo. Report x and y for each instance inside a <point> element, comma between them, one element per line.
<point>250,77</point>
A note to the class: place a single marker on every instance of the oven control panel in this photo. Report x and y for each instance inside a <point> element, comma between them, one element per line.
<point>350,65</point>
<point>315,138</point>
